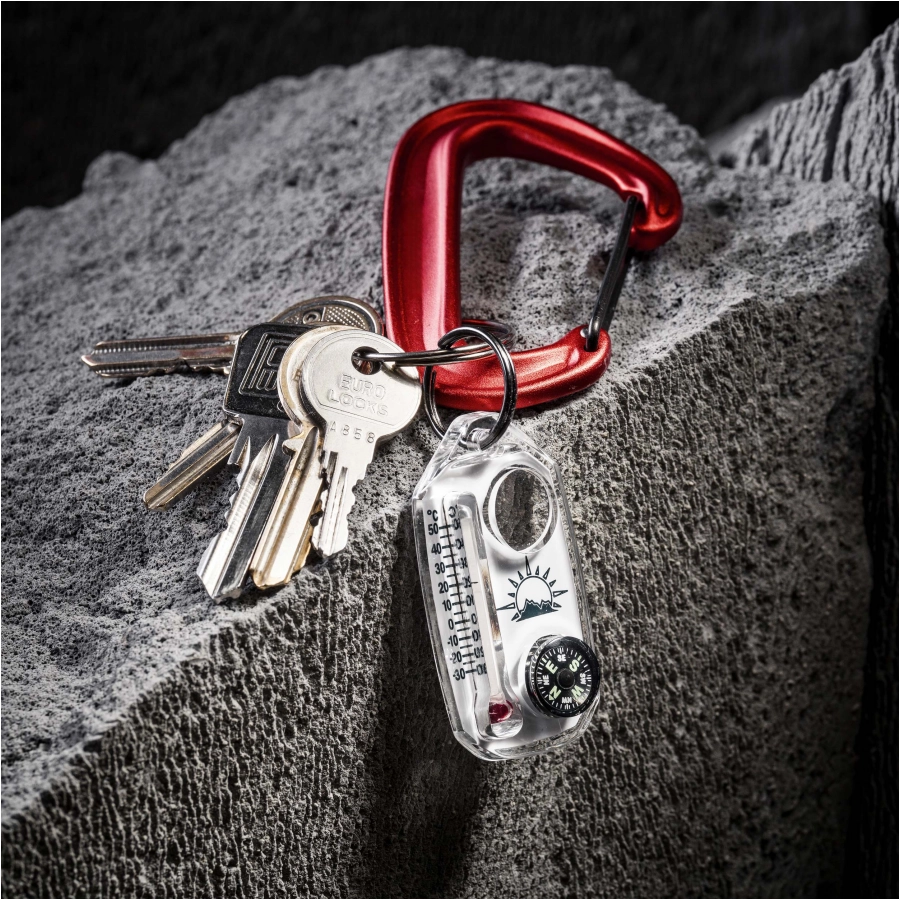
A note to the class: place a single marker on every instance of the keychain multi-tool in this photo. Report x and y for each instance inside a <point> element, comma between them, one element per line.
<point>312,394</point>
<point>498,557</point>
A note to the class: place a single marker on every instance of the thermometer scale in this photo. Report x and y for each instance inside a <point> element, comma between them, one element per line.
<point>470,634</point>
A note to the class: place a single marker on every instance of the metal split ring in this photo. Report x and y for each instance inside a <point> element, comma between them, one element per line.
<point>447,355</point>
<point>510,383</point>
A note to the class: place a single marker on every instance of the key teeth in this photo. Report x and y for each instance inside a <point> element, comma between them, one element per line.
<point>244,462</point>
<point>338,536</point>
<point>239,477</point>
<point>317,530</point>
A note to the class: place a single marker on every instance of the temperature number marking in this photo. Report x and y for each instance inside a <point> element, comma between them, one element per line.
<point>460,674</point>
<point>454,590</point>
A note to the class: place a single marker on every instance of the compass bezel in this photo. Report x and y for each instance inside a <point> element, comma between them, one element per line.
<point>551,644</point>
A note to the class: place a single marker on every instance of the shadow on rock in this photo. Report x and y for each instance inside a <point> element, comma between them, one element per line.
<point>425,788</point>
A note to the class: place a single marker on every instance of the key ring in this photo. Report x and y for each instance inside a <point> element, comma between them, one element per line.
<point>445,357</point>
<point>510,383</point>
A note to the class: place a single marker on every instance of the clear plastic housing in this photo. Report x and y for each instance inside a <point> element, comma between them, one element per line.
<point>507,613</point>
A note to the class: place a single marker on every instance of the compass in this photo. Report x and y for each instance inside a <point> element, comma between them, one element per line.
<point>562,676</point>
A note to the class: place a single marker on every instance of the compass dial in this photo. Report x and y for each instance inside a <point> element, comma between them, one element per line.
<point>562,676</point>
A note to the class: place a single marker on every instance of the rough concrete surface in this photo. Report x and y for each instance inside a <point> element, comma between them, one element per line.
<point>845,128</point>
<point>296,742</point>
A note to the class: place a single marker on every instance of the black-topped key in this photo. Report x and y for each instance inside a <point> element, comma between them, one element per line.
<point>251,399</point>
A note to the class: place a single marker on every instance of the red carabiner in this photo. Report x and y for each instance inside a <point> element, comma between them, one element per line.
<point>422,211</point>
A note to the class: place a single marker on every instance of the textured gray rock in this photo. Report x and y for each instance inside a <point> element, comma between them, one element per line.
<point>176,63</point>
<point>155,743</point>
<point>845,127</point>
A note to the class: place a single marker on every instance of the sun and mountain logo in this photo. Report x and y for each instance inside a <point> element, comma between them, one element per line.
<point>533,595</point>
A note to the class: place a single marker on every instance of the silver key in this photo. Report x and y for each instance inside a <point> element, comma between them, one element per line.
<point>213,352</point>
<point>357,413</point>
<point>205,456</point>
<point>251,398</point>
<point>210,452</point>
<point>162,355</point>
<point>285,542</point>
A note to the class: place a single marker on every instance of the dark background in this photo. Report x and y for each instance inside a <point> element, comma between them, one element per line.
<point>82,78</point>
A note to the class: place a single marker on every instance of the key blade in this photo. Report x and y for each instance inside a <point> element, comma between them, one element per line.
<point>207,454</point>
<point>303,555</point>
<point>285,542</point>
<point>226,562</point>
<point>162,355</point>
<point>332,534</point>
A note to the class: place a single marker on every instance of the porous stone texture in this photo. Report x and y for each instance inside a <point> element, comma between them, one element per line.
<point>296,742</point>
<point>845,127</point>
